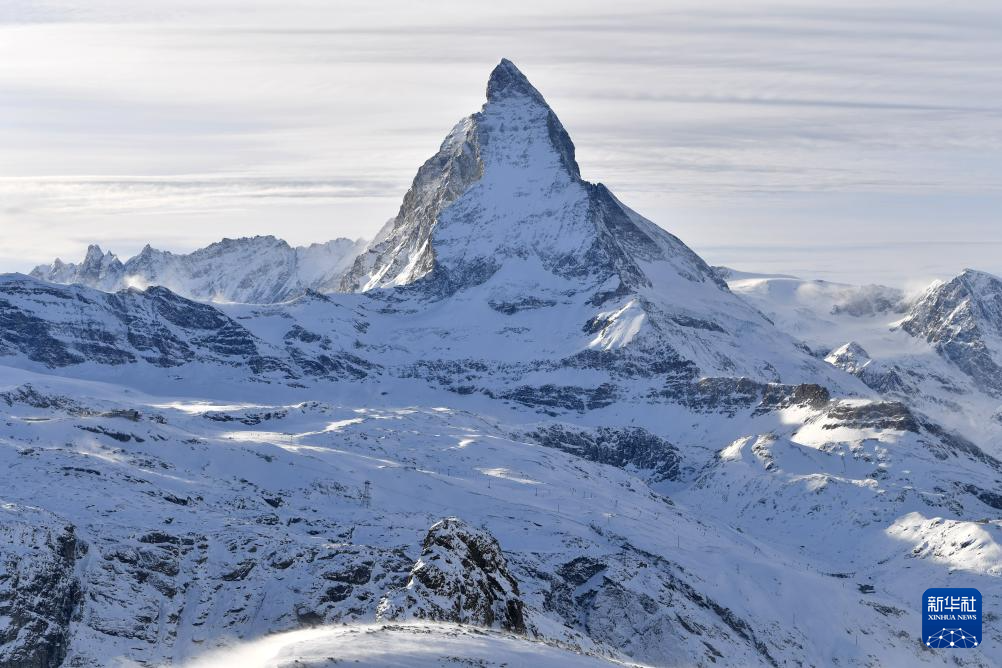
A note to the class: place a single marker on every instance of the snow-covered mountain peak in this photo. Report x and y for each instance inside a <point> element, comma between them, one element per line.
<point>517,117</point>
<point>972,298</point>
<point>505,256</point>
<point>962,319</point>
<point>977,274</point>
<point>503,183</point>
<point>501,216</point>
<point>98,269</point>
<point>515,112</point>
<point>850,357</point>
<point>507,80</point>
<point>504,191</point>
<point>98,265</point>
<point>96,257</point>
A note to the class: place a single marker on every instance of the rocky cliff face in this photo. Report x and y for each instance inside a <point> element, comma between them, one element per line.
<point>962,319</point>
<point>40,591</point>
<point>60,326</point>
<point>401,252</point>
<point>462,577</point>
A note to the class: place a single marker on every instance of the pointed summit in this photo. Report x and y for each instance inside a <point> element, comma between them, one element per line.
<point>492,186</point>
<point>99,262</point>
<point>961,319</point>
<point>503,190</point>
<point>94,255</point>
<point>499,221</point>
<point>517,116</point>
<point>507,80</point>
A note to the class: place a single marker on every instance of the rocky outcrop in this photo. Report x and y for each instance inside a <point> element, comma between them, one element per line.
<point>730,395</point>
<point>61,326</point>
<point>638,600</point>
<point>461,576</point>
<point>627,447</point>
<point>401,252</point>
<point>851,358</point>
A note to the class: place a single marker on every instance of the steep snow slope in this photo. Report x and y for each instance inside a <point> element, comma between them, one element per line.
<point>254,270</point>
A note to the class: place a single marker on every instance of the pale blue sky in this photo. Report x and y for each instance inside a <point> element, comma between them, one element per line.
<point>847,140</point>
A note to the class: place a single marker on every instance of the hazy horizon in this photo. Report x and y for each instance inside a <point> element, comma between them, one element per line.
<point>846,141</point>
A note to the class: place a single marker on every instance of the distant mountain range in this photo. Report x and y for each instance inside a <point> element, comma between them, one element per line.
<point>252,269</point>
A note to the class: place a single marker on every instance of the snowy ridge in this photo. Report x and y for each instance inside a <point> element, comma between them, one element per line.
<point>250,270</point>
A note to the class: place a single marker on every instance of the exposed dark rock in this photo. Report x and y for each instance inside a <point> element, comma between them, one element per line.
<point>579,571</point>
<point>730,395</point>
<point>959,318</point>
<point>623,447</point>
<point>874,415</point>
<point>25,333</point>
<point>524,304</point>
<point>38,594</point>
<point>116,435</point>
<point>987,497</point>
<point>241,571</point>
<point>636,362</point>
<point>634,599</point>
<point>462,577</point>
<point>336,365</point>
<point>561,396</point>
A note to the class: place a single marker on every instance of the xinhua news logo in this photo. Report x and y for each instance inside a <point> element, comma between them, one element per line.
<point>951,618</point>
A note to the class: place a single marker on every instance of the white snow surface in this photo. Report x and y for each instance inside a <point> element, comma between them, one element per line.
<point>398,646</point>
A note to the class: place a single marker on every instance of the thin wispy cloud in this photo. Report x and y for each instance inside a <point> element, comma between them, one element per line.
<point>184,122</point>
